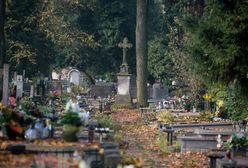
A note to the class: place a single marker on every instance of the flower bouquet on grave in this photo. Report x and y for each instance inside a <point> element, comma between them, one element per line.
<point>54,95</point>
<point>71,123</point>
<point>10,119</point>
<point>238,143</point>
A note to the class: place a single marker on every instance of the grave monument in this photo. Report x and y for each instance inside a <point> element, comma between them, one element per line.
<point>19,86</point>
<point>74,76</point>
<point>123,97</point>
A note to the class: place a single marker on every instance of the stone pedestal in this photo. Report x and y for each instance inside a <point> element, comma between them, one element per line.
<point>123,97</point>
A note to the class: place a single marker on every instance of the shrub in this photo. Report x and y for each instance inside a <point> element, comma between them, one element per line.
<point>161,143</point>
<point>71,118</point>
<point>165,117</point>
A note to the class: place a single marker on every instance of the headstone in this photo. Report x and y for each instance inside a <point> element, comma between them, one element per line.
<point>23,74</point>
<point>19,86</point>
<point>40,90</point>
<point>32,91</point>
<point>101,89</point>
<point>26,89</point>
<point>123,97</point>
<point>55,75</point>
<point>5,83</point>
<point>133,88</point>
<point>15,76</point>
<point>74,76</point>
<point>159,92</point>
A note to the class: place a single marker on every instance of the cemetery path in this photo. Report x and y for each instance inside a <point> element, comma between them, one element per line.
<point>144,148</point>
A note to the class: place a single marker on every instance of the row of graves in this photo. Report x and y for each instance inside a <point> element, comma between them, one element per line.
<point>61,134</point>
<point>223,142</point>
<point>50,123</point>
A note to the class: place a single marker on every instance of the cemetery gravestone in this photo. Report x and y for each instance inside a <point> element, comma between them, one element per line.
<point>55,75</point>
<point>32,91</point>
<point>123,97</point>
<point>133,88</point>
<point>40,87</point>
<point>123,85</point>
<point>159,92</point>
<point>74,76</point>
<point>101,89</point>
<point>19,86</point>
<point>26,89</point>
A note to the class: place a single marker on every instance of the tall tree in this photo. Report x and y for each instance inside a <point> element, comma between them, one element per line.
<point>141,51</point>
<point>218,42</point>
<point>2,43</point>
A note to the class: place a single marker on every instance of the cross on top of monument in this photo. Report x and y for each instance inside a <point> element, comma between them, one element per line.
<point>125,45</point>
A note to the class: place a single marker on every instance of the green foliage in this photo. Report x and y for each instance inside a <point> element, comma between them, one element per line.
<point>206,116</point>
<point>7,114</point>
<point>165,117</point>
<point>105,121</point>
<point>60,23</point>
<point>218,92</point>
<point>159,63</point>
<point>26,104</point>
<point>176,146</point>
<point>71,118</point>
<point>110,27</point>
<point>27,48</point>
<point>161,142</point>
<point>217,42</point>
<point>236,105</point>
<point>45,34</point>
<point>237,140</point>
<point>45,109</point>
<point>70,133</point>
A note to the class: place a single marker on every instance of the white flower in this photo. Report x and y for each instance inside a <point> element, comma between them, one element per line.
<point>240,135</point>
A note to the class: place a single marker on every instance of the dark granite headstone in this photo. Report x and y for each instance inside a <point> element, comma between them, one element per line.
<point>101,89</point>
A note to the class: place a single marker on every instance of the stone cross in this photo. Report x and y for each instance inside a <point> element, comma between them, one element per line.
<point>125,46</point>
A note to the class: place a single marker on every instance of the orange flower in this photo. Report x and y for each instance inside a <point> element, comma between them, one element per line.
<point>15,126</point>
<point>1,106</point>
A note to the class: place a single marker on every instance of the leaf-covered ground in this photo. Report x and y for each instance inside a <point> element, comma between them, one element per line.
<point>142,145</point>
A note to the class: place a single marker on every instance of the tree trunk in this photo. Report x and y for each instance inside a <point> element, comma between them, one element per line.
<point>141,51</point>
<point>2,44</point>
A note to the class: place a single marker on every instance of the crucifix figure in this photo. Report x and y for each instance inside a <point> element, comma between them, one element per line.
<point>125,46</point>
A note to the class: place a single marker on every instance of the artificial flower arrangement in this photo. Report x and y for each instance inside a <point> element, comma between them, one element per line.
<point>238,140</point>
<point>238,143</point>
<point>10,119</point>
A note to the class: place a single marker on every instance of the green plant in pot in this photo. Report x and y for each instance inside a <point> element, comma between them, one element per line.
<point>238,143</point>
<point>71,123</point>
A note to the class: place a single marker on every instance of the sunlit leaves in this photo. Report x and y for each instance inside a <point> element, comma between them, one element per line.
<point>19,51</point>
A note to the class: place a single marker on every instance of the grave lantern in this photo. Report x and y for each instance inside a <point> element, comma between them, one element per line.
<point>91,131</point>
<point>174,83</point>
